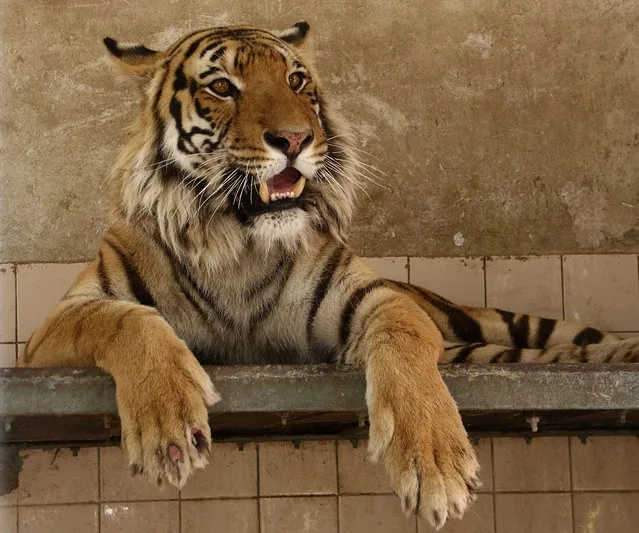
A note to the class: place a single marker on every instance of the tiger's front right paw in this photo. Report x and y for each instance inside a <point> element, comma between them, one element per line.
<point>164,416</point>
<point>430,462</point>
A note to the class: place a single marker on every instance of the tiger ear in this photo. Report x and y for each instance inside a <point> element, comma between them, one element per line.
<point>296,35</point>
<point>133,59</point>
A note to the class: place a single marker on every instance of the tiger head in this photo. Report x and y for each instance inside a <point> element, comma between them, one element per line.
<point>234,144</point>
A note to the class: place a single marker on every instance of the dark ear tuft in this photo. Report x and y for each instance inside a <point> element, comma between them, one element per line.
<point>133,59</point>
<point>112,46</point>
<point>296,34</point>
<point>302,27</point>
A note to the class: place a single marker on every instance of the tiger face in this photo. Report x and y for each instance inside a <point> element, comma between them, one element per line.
<point>234,125</point>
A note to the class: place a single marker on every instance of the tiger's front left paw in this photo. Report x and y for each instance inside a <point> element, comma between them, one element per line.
<point>419,434</point>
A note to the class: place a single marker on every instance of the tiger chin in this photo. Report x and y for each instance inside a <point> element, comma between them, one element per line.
<point>230,208</point>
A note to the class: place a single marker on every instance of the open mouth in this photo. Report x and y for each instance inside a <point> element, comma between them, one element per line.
<point>286,185</point>
<point>282,191</point>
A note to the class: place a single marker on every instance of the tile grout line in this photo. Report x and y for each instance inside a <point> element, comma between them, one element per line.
<point>485,282</point>
<point>337,488</point>
<point>563,287</point>
<point>99,491</point>
<point>15,310</point>
<point>18,493</point>
<point>494,493</point>
<point>259,495</point>
<point>572,493</point>
<point>179,511</point>
<point>324,496</point>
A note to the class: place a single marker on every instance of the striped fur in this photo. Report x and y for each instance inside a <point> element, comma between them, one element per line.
<point>186,275</point>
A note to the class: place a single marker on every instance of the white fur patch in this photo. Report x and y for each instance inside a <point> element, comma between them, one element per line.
<point>288,228</point>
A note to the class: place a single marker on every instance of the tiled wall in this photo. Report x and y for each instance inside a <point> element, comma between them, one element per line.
<point>601,290</point>
<point>551,485</point>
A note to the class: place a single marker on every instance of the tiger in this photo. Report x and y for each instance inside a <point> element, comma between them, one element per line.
<point>227,244</point>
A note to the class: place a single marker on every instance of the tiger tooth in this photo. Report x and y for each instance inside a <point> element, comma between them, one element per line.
<point>273,197</point>
<point>299,187</point>
<point>264,196</point>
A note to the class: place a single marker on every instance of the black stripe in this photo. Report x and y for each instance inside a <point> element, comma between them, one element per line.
<point>269,279</point>
<point>194,46</point>
<point>266,308</point>
<point>159,121</point>
<point>507,356</point>
<point>518,329</point>
<point>321,288</point>
<point>236,61</point>
<point>210,47</point>
<point>464,327</point>
<point>588,336</point>
<point>136,283</point>
<point>105,282</point>
<point>179,83</point>
<point>465,352</point>
<point>373,314</point>
<point>583,353</point>
<point>178,279</point>
<point>546,327</point>
<point>351,307</point>
<point>118,51</point>
<point>207,297</point>
<point>209,72</point>
<point>218,54</point>
<point>56,322</point>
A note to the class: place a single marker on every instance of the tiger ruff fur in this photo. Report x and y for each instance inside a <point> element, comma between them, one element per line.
<point>231,203</point>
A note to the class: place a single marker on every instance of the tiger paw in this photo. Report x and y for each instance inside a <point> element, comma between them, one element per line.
<point>430,462</point>
<point>164,416</point>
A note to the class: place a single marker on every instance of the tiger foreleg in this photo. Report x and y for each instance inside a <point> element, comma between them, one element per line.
<point>414,423</point>
<point>162,391</point>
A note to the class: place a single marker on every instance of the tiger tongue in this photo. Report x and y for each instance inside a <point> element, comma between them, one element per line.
<point>284,181</point>
<point>287,184</point>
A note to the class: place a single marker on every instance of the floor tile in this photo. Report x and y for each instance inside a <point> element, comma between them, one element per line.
<point>395,268</point>
<point>533,513</point>
<point>541,465</point>
<point>7,303</point>
<point>232,516</point>
<point>367,514</point>
<point>607,512</point>
<point>525,285</point>
<point>484,456</point>
<point>602,291</point>
<point>118,485</point>
<point>58,519</point>
<point>357,474</point>
<point>9,519</point>
<point>231,473</point>
<point>605,463</point>
<point>140,517</point>
<point>40,287</point>
<point>460,280</point>
<point>478,519</point>
<point>289,470</point>
<point>7,355</point>
<point>304,515</point>
<point>58,476</point>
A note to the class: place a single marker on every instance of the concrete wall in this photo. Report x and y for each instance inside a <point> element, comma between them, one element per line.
<point>504,127</point>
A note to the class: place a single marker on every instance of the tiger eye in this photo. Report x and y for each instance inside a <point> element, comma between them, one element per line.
<point>221,87</point>
<point>295,80</point>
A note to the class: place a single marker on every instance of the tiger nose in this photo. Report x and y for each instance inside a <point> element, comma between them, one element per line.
<point>290,143</point>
